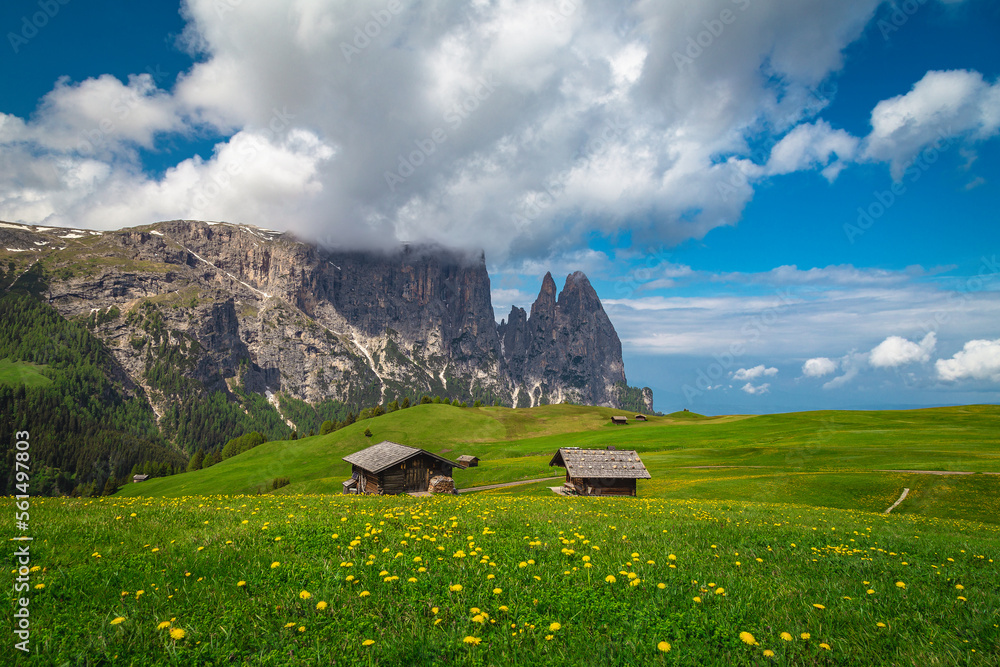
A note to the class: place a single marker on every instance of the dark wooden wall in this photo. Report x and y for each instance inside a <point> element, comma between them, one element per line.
<point>604,486</point>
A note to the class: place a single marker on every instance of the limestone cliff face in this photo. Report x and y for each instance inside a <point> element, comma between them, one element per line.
<point>566,350</point>
<point>231,303</point>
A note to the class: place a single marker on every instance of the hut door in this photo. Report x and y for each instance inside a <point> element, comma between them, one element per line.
<point>416,476</point>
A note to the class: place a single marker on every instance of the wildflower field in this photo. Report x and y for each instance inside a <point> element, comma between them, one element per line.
<point>500,579</point>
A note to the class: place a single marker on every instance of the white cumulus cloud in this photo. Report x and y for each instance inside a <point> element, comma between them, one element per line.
<point>754,390</point>
<point>818,367</point>
<point>754,373</point>
<point>977,360</point>
<point>897,351</point>
<point>943,104</point>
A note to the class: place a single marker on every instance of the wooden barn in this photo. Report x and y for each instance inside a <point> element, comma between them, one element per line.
<point>388,468</point>
<point>619,420</point>
<point>600,472</point>
<point>139,478</point>
<point>468,461</point>
<point>640,418</point>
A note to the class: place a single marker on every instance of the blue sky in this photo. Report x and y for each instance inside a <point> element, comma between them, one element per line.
<point>783,207</point>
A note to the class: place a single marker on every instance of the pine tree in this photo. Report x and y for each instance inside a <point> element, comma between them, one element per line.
<point>196,460</point>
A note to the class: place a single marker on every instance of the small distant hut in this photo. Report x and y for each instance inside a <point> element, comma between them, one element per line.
<point>600,472</point>
<point>469,461</point>
<point>139,478</point>
<point>388,468</point>
<point>619,420</point>
<point>640,418</point>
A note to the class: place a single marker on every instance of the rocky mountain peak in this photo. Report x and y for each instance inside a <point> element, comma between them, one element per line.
<point>545,303</point>
<point>235,304</point>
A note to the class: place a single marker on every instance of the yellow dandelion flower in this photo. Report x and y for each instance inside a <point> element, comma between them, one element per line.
<point>825,647</point>
<point>305,595</point>
<point>241,583</point>
<point>275,564</point>
<point>880,624</point>
<point>368,642</point>
<point>610,579</point>
<point>412,580</point>
<point>768,653</point>
<point>548,638</point>
<point>747,638</point>
<point>697,599</point>
<point>554,627</point>
<point>900,584</point>
<point>720,590</point>
<point>321,605</point>
<point>805,635</point>
<point>163,626</point>
<point>177,633</point>
<point>472,640</point>
<point>959,587</point>
<point>39,587</point>
<point>819,606</point>
<point>870,591</point>
<point>663,646</point>
<point>289,624</point>
<point>661,585</point>
<point>455,588</point>
<point>503,607</point>
<point>787,637</point>
<point>363,594</point>
<point>478,618</point>
<point>118,620</point>
<point>962,598</point>
<point>497,591</point>
<point>434,610</point>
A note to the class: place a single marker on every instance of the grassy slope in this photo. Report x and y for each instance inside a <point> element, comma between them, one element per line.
<point>22,372</point>
<point>826,458</point>
<point>117,570</point>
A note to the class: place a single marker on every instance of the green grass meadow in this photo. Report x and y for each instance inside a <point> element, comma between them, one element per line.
<point>22,372</point>
<point>758,540</point>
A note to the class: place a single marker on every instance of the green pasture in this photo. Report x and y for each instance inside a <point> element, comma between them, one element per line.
<point>824,459</point>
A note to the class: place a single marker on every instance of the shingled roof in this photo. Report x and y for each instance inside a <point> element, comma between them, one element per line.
<point>600,463</point>
<point>386,454</point>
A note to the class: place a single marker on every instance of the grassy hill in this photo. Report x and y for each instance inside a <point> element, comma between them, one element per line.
<point>824,458</point>
<point>688,573</point>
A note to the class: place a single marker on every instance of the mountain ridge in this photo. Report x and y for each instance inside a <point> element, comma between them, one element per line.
<point>232,304</point>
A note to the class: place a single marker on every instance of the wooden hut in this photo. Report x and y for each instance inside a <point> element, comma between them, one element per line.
<point>640,418</point>
<point>468,461</point>
<point>139,478</point>
<point>388,468</point>
<point>600,472</point>
<point>619,420</point>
